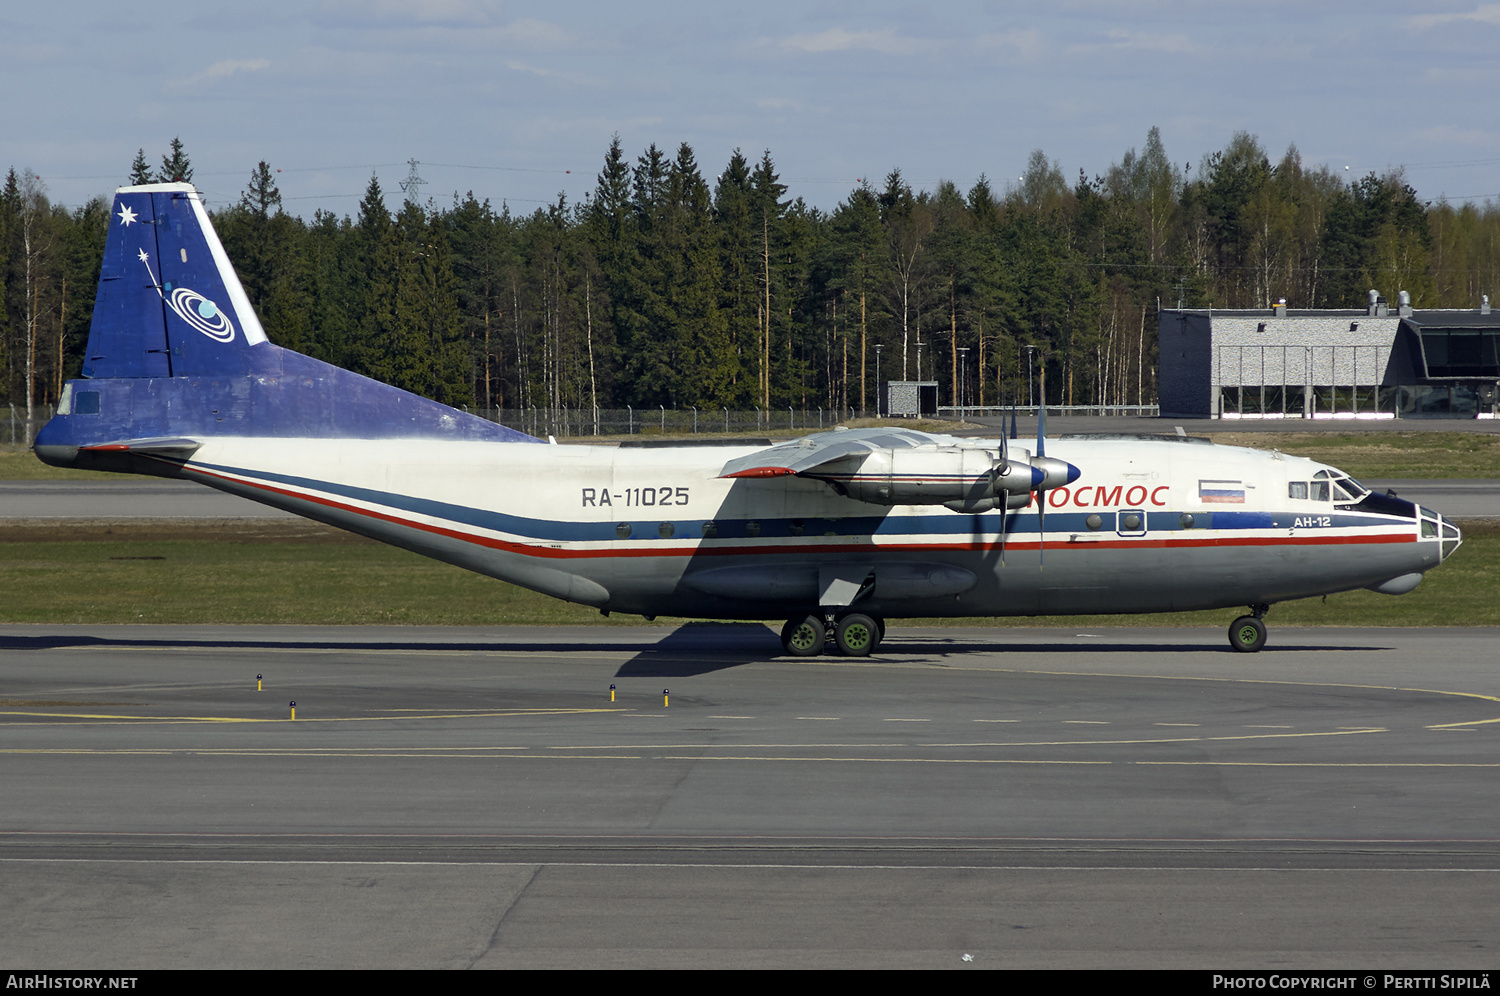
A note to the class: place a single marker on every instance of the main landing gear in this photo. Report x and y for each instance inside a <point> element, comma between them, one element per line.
<point>1247,634</point>
<point>854,633</point>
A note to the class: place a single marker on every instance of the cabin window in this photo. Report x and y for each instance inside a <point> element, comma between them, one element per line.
<point>622,530</point>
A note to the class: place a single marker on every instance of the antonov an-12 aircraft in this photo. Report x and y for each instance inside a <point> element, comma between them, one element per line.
<point>835,532</point>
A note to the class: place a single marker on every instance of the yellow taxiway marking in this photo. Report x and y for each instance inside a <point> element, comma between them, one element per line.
<point>278,648</point>
<point>1330,764</point>
<point>635,753</point>
<point>876,760</point>
<point>446,714</point>
<point>928,664</point>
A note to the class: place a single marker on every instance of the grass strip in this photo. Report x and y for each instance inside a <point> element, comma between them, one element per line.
<point>1374,454</point>
<point>229,580</point>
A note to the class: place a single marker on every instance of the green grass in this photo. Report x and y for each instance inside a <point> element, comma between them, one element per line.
<point>1385,454</point>
<point>17,463</point>
<point>207,582</point>
<point>1376,454</point>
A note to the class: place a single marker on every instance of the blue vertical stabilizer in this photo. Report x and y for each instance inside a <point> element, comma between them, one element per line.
<point>177,352</point>
<point>169,303</point>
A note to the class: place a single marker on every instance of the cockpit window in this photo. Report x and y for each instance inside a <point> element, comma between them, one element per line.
<point>1328,485</point>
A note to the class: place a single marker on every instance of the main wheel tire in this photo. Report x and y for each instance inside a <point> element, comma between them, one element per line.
<point>804,636</point>
<point>857,635</point>
<point>1247,634</point>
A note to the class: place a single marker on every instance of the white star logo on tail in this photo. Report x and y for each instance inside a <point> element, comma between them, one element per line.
<point>126,216</point>
<point>141,255</point>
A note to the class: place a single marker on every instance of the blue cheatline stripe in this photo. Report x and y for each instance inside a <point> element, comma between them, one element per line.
<point>953,524</point>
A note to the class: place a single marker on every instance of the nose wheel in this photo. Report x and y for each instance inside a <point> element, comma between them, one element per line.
<point>1247,634</point>
<point>854,634</point>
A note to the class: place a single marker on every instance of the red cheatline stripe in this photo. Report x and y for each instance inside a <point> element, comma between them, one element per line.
<point>866,547</point>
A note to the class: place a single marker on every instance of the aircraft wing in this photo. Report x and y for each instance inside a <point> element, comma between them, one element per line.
<point>905,467</point>
<point>825,450</point>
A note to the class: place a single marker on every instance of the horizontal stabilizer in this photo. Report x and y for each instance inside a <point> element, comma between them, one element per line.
<point>175,447</point>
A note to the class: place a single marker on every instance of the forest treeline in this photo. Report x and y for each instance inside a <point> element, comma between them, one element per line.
<point>664,287</point>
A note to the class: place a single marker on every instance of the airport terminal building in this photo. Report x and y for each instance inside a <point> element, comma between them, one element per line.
<point>1380,362</point>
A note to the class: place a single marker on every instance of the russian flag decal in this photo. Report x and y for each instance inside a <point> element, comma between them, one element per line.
<point>1222,492</point>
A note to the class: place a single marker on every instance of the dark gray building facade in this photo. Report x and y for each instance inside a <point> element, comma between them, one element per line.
<point>1377,363</point>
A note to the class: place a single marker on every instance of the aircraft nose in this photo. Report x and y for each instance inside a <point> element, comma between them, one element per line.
<point>1441,528</point>
<point>1453,537</point>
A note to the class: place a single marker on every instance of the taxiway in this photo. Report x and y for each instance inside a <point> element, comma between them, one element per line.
<point>472,798</point>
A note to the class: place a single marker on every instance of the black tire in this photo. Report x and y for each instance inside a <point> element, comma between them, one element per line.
<point>804,636</point>
<point>1247,634</point>
<point>857,635</point>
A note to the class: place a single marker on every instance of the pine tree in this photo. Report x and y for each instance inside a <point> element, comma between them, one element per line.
<point>175,168</point>
<point>699,339</point>
<point>261,195</point>
<point>738,234</point>
<point>858,246</point>
<point>372,281</point>
<point>644,311</point>
<point>140,170</point>
<point>768,212</point>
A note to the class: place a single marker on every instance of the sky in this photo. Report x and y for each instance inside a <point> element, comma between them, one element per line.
<point>518,101</point>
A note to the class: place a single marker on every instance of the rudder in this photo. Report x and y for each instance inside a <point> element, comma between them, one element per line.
<point>169,302</point>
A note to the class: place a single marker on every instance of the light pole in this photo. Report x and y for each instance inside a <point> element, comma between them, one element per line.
<point>963,378</point>
<point>1029,351</point>
<point>878,347</point>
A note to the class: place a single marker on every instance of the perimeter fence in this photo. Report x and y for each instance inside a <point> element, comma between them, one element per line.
<point>659,421</point>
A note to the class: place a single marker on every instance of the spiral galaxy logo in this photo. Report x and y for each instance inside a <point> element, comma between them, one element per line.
<point>202,314</point>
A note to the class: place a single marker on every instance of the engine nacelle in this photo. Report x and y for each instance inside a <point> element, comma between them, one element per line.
<point>926,475</point>
<point>937,475</point>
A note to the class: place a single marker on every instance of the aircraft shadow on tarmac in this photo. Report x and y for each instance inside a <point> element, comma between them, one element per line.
<point>691,649</point>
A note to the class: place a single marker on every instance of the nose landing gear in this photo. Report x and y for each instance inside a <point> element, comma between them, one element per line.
<point>1247,634</point>
<point>854,634</point>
